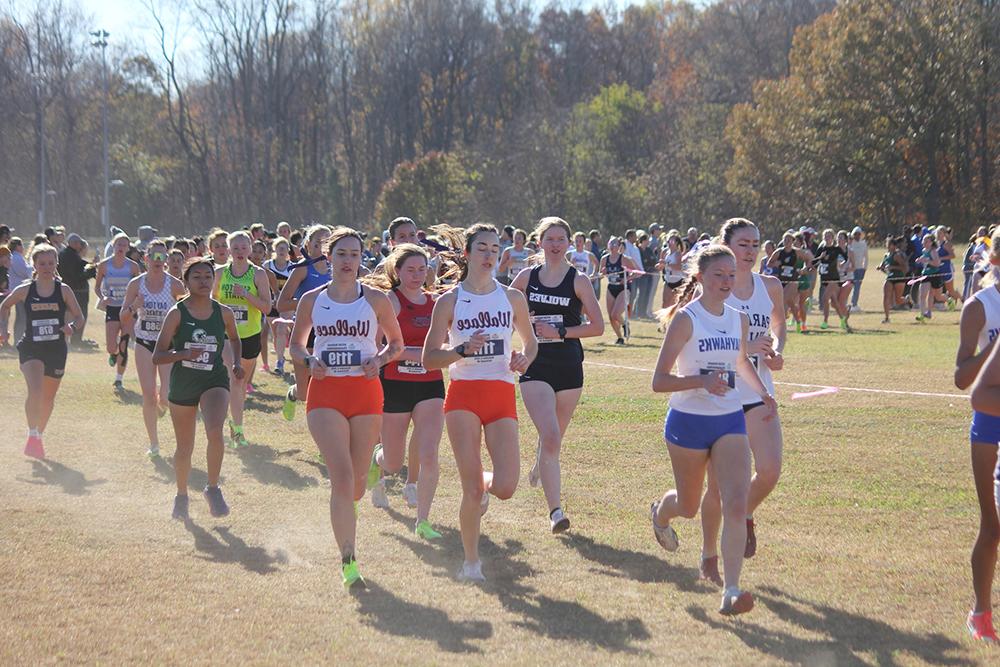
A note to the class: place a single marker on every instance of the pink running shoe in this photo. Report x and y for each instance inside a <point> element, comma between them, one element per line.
<point>981,626</point>
<point>34,448</point>
<point>250,388</point>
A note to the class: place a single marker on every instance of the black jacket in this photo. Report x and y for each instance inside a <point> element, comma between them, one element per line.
<point>74,271</point>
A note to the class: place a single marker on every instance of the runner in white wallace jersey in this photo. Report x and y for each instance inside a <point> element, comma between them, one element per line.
<point>706,339</point>
<point>470,333</point>
<point>760,298</point>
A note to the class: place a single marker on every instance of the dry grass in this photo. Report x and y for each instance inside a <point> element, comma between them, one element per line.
<point>863,547</point>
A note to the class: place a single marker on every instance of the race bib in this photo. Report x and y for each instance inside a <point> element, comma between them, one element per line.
<point>411,368</point>
<point>204,361</point>
<point>341,358</point>
<point>152,322</point>
<point>786,271</point>
<point>823,268</point>
<point>555,320</point>
<point>45,330</point>
<point>728,374</point>
<point>241,313</point>
<point>492,349</point>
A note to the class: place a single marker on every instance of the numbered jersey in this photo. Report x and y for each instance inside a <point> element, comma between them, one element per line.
<point>518,260</point>
<point>580,261</point>
<point>45,315</point>
<point>492,315</point>
<point>990,298</point>
<point>714,346</point>
<point>758,310</point>
<point>154,308</point>
<point>557,306</point>
<point>414,321</point>
<point>345,333</point>
<point>248,322</point>
<point>115,283</point>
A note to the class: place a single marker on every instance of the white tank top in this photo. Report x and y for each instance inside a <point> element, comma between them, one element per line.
<point>758,309</point>
<point>990,298</point>
<point>518,260</point>
<point>154,309</point>
<point>580,261</point>
<point>345,333</point>
<point>714,346</point>
<point>490,313</point>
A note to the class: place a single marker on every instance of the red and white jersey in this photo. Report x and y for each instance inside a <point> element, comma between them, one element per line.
<point>345,333</point>
<point>492,315</point>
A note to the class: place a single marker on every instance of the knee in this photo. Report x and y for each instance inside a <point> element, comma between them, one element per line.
<point>428,459</point>
<point>768,474</point>
<point>503,488</point>
<point>688,507</point>
<point>989,532</point>
<point>473,492</point>
<point>550,443</point>
<point>735,505</point>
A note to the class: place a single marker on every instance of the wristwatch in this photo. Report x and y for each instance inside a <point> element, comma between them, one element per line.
<point>561,331</point>
<point>460,350</point>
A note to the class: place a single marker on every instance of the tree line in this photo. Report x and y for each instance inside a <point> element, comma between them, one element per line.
<point>790,112</point>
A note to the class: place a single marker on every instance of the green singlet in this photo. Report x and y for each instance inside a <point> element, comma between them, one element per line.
<point>190,379</point>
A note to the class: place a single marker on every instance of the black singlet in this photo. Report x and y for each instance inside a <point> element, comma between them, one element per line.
<point>558,306</point>
<point>787,259</point>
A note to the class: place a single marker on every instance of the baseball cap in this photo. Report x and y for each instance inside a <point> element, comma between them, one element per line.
<point>4,229</point>
<point>857,230</point>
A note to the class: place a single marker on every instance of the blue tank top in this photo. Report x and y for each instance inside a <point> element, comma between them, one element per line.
<point>115,283</point>
<point>945,261</point>
<point>313,280</point>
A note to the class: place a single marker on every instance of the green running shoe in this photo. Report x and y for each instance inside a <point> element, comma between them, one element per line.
<point>352,577</point>
<point>824,326</point>
<point>426,531</point>
<point>374,471</point>
<point>236,437</point>
<point>798,326</point>
<point>288,409</point>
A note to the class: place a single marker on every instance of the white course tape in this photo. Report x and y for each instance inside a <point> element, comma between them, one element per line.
<point>818,386</point>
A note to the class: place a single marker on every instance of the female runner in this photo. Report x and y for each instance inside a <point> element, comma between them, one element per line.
<point>930,278</point>
<point>147,301</point>
<point>244,288</point>
<point>218,246</point>
<point>309,275</point>
<point>978,329</point>
<point>551,387</point>
<point>673,269</point>
<point>43,347</point>
<point>830,256</point>
<point>412,393</point>
<point>760,299</point>
<point>514,258</point>
<point>344,398</point>
<point>111,281</point>
<point>946,251</point>
<point>895,265</point>
<point>191,341</point>
<point>615,266</point>
<point>705,424</point>
<point>478,317</point>
<point>280,268</point>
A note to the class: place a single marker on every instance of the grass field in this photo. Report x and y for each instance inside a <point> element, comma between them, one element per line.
<point>862,558</point>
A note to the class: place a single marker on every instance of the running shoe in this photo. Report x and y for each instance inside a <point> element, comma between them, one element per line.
<point>798,326</point>
<point>180,508</point>
<point>426,531</point>
<point>625,329</point>
<point>410,494</point>
<point>665,535</point>
<point>265,368</point>
<point>112,360</point>
<point>981,626</point>
<point>216,503</point>
<point>161,411</point>
<point>472,572</point>
<point>250,388</point>
<point>920,317</point>
<point>805,329</point>
<point>620,341</point>
<point>885,320</point>
<point>33,447</point>
<point>809,304</point>
<point>951,303</point>
<point>559,521</point>
<point>379,498</point>
<point>735,602</point>
<point>709,570</point>
<point>824,326</point>
<point>374,470</point>
<point>534,476</point>
<point>118,387</point>
<point>237,438</point>
<point>855,308</point>
<point>288,409</point>
<point>352,576</point>
<point>153,452</point>
<point>279,368</point>
<point>751,549</point>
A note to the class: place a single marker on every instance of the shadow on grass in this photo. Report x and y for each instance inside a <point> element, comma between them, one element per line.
<point>387,613</point>
<point>261,463</point>
<point>53,473</point>
<point>507,576</point>
<point>846,636</point>
<point>128,397</point>
<point>635,565</point>
<point>232,549</point>
<point>197,479</point>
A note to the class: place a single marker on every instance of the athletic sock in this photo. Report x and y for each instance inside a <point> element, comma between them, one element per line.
<point>118,377</point>
<point>34,433</point>
<point>346,560</point>
<point>554,511</point>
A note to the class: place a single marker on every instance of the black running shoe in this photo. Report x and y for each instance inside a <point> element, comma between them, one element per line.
<point>216,503</point>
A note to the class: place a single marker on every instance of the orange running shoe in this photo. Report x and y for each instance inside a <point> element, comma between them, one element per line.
<point>981,626</point>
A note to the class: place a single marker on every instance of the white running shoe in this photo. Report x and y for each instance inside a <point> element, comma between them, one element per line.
<point>472,572</point>
<point>153,452</point>
<point>410,494</point>
<point>559,521</point>
<point>666,536</point>
<point>379,498</point>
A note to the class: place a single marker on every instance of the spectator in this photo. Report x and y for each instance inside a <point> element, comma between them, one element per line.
<point>146,235</point>
<point>76,273</point>
<point>109,249</point>
<point>691,239</point>
<point>632,252</point>
<point>19,272</point>
<point>647,282</point>
<point>858,250</point>
<point>5,233</point>
<point>4,269</point>
<point>655,243</point>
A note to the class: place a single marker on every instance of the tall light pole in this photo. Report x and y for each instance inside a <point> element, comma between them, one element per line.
<point>42,186</point>
<point>102,42</point>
